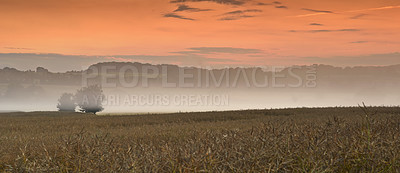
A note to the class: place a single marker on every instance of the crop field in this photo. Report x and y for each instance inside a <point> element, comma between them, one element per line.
<point>358,139</point>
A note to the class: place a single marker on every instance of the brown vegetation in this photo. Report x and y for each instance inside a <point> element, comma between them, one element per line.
<point>300,140</point>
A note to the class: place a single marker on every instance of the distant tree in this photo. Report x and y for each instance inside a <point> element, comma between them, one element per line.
<point>89,99</point>
<point>66,103</point>
<point>41,70</point>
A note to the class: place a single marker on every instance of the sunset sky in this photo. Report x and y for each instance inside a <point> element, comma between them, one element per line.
<point>217,33</point>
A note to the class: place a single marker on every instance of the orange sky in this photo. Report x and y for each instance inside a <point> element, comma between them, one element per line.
<point>283,32</point>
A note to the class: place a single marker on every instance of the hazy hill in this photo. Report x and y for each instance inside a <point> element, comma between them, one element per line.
<point>242,88</point>
<point>325,76</point>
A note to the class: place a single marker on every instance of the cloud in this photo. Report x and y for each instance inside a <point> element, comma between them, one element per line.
<point>261,3</point>
<point>277,2</point>
<point>173,15</point>
<point>61,63</point>
<point>235,17</point>
<point>351,11</point>
<point>312,14</point>
<point>362,60</point>
<point>374,9</point>
<point>239,14</point>
<point>253,10</point>
<point>54,62</point>
<point>348,30</point>
<point>326,30</point>
<point>187,8</point>
<point>18,48</point>
<point>242,11</point>
<point>118,59</point>
<point>317,11</point>
<point>281,6</point>
<point>234,12</point>
<point>323,30</point>
<point>227,2</point>
<point>359,42</point>
<point>212,50</point>
<point>358,16</point>
<point>316,24</point>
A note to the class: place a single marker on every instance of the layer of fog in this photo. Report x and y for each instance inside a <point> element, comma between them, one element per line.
<point>152,100</point>
<point>238,89</point>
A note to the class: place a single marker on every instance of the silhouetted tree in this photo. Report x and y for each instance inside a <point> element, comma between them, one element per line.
<point>89,99</point>
<point>66,103</point>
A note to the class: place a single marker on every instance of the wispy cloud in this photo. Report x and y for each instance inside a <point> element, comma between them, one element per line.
<point>374,9</point>
<point>317,11</point>
<point>349,30</point>
<point>234,12</point>
<point>281,6</point>
<point>212,50</point>
<point>190,9</point>
<point>358,42</point>
<point>339,30</point>
<point>228,2</point>
<point>239,14</point>
<point>18,48</point>
<point>235,17</point>
<point>316,24</point>
<point>61,63</point>
<point>253,10</point>
<point>261,3</point>
<point>118,58</point>
<point>242,11</point>
<point>173,15</point>
<point>54,62</point>
<point>358,16</point>
<point>326,30</point>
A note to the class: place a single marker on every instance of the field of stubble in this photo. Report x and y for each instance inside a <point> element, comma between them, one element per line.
<point>287,140</point>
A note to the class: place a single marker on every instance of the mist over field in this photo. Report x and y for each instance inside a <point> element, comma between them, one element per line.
<point>136,87</point>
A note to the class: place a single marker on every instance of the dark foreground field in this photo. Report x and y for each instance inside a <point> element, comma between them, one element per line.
<point>300,140</point>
